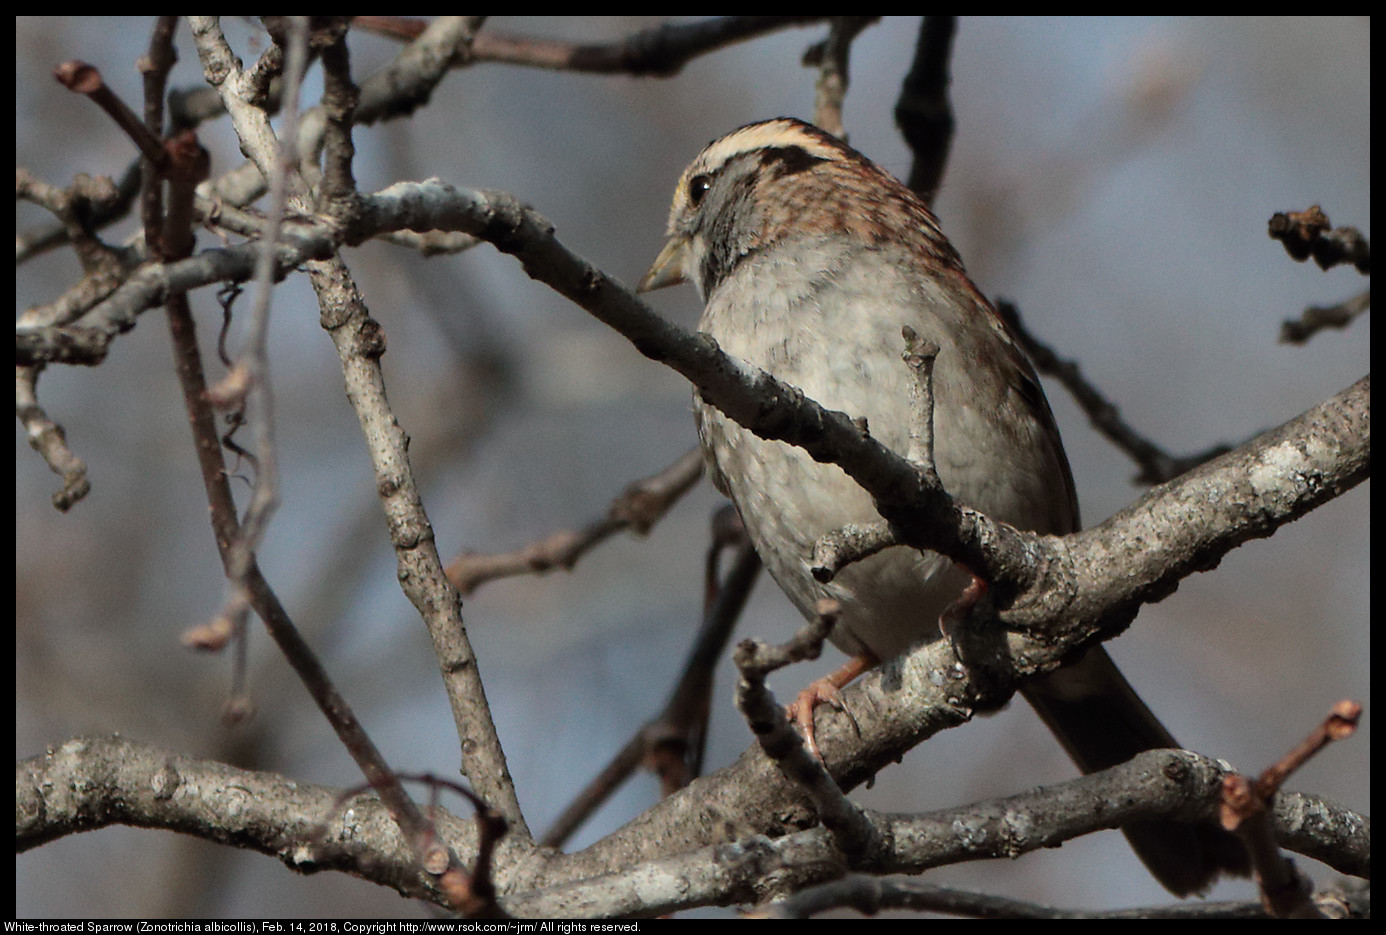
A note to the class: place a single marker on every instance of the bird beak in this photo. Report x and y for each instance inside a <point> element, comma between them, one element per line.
<point>667,269</point>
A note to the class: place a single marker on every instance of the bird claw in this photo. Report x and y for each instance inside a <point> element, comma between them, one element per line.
<point>800,711</point>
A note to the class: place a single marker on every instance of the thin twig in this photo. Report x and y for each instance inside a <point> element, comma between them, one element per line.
<point>676,734</point>
<point>416,829</point>
<point>923,112</point>
<point>660,52</point>
<point>1246,808</point>
<point>49,440</point>
<point>637,508</point>
<point>1311,233</point>
<point>1156,465</point>
<point>855,832</point>
<point>1318,318</point>
<point>247,386</point>
<point>830,58</point>
<point>838,548</point>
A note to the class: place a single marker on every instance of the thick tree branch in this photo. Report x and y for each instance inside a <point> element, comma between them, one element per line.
<point>90,783</point>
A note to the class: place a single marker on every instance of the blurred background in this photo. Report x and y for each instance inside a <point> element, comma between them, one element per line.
<point>1113,177</point>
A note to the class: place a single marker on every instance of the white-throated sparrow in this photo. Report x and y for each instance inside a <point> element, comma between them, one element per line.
<point>810,259</point>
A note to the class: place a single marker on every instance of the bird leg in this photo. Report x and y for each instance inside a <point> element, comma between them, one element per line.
<point>827,691</point>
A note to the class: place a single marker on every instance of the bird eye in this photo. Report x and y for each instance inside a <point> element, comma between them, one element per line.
<point>697,188</point>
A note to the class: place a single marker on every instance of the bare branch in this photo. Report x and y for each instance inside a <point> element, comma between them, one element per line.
<point>1311,233</point>
<point>1286,892</point>
<point>852,829</point>
<point>637,508</point>
<point>1317,318</point>
<point>91,783</point>
<point>1156,465</point>
<point>660,52</point>
<point>678,730</point>
<point>49,440</point>
<point>830,58</point>
<point>359,341</point>
<point>923,112</point>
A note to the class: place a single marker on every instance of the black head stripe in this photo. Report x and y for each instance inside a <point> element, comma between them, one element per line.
<point>788,160</point>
